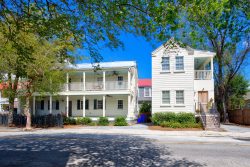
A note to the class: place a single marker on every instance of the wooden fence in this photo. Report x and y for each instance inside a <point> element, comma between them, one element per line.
<point>239,116</point>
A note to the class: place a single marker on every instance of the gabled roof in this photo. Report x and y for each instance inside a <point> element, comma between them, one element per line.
<point>144,83</point>
<point>173,44</point>
<point>115,64</point>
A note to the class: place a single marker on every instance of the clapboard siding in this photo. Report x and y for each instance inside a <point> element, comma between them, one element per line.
<point>172,81</point>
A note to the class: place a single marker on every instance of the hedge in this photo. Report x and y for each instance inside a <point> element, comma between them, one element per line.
<point>120,121</point>
<point>83,120</point>
<point>103,121</point>
<point>175,120</point>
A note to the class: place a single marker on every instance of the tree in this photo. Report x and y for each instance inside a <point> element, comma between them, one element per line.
<point>220,26</point>
<point>89,25</point>
<point>237,89</point>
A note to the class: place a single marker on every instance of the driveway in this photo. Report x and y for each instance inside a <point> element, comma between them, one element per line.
<point>235,128</point>
<point>121,146</point>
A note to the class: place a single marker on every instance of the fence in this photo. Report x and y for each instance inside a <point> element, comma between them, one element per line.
<point>44,121</point>
<point>239,116</point>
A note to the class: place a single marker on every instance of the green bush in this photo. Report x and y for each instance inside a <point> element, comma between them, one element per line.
<point>175,120</point>
<point>145,108</point>
<point>83,121</point>
<point>120,121</point>
<point>172,124</point>
<point>103,121</point>
<point>69,121</point>
<point>160,117</point>
<point>92,124</point>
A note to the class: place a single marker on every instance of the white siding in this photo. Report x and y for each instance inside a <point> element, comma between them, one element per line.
<point>172,81</point>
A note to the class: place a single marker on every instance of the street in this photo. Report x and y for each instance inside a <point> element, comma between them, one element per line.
<point>67,148</point>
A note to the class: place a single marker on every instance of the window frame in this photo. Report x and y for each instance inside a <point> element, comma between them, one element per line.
<point>162,98</point>
<point>120,105</point>
<point>183,97</point>
<point>165,63</point>
<point>176,65</point>
<point>149,92</point>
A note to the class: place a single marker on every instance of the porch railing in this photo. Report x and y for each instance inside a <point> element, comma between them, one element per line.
<point>202,74</point>
<point>92,86</point>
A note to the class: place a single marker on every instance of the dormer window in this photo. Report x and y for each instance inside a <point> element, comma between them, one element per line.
<point>165,64</point>
<point>179,63</point>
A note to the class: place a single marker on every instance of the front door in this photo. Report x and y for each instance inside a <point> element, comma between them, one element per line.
<point>203,99</point>
<point>70,108</point>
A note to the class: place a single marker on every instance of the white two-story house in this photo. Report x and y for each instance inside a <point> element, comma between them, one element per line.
<point>109,91</point>
<point>182,78</point>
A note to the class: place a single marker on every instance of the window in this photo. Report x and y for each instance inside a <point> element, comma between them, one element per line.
<point>165,97</point>
<point>179,64</point>
<point>87,104</point>
<point>57,104</point>
<point>120,104</point>
<point>98,104</point>
<point>48,105</point>
<point>78,104</point>
<point>179,97</point>
<point>165,64</point>
<point>147,92</point>
<point>120,80</point>
<point>42,104</point>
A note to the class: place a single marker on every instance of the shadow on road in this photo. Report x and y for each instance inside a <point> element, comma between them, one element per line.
<point>85,150</point>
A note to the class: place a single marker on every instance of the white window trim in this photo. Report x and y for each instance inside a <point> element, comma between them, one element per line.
<point>169,104</point>
<point>150,92</point>
<point>180,105</point>
<point>165,71</point>
<point>179,71</point>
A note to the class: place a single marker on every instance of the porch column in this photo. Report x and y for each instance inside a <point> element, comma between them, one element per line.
<point>83,80</point>
<point>104,80</point>
<point>34,105</point>
<point>129,99</point>
<point>50,104</point>
<point>103,105</point>
<point>83,107</point>
<point>212,68</point>
<point>129,75</point>
<point>67,106</point>
<point>67,82</point>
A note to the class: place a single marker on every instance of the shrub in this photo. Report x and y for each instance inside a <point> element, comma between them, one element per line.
<point>145,108</point>
<point>185,117</point>
<point>160,117</point>
<point>69,121</point>
<point>120,121</point>
<point>83,121</point>
<point>103,121</point>
<point>171,124</point>
<point>92,124</point>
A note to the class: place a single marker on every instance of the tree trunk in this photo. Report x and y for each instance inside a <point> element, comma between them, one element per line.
<point>27,112</point>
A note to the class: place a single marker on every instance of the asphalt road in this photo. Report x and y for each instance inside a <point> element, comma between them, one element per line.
<point>68,149</point>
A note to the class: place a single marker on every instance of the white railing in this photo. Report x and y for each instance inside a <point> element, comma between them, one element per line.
<point>76,86</point>
<point>92,86</point>
<point>116,85</point>
<point>202,74</point>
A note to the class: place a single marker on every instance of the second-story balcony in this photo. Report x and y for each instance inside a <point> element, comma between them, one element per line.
<point>95,86</point>
<point>202,74</point>
<point>203,68</point>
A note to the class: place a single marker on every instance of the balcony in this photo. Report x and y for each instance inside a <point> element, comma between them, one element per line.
<point>202,75</point>
<point>96,86</point>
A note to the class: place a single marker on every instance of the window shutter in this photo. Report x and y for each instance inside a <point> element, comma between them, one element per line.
<point>48,104</point>
<point>78,104</point>
<point>42,104</point>
<point>86,104</point>
<point>95,104</point>
<point>57,104</point>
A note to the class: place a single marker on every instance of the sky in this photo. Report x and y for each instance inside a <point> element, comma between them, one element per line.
<point>135,49</point>
<point>139,50</point>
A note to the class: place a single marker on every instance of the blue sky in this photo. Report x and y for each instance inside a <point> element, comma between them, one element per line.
<point>139,50</point>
